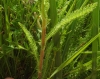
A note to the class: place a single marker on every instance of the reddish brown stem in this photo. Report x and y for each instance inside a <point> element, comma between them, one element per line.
<point>42,39</point>
<point>42,48</point>
<point>40,64</point>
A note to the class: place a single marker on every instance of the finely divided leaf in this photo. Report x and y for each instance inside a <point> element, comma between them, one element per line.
<point>70,17</point>
<point>31,41</point>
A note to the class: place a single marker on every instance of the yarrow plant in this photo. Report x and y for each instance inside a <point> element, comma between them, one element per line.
<point>43,39</point>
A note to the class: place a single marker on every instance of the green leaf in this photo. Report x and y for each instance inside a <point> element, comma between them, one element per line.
<point>65,63</point>
<point>31,41</point>
<point>70,17</point>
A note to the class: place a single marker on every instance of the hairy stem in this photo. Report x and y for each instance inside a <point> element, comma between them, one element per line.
<point>43,34</point>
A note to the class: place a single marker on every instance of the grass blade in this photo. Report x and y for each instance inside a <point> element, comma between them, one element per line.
<point>74,56</point>
<point>95,26</point>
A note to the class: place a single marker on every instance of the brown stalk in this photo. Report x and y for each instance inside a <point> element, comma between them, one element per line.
<point>42,48</point>
<point>42,39</point>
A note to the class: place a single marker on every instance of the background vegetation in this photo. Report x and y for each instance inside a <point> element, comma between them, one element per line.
<point>49,39</point>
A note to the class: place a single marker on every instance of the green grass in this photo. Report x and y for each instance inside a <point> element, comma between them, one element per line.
<point>95,27</point>
<point>49,39</point>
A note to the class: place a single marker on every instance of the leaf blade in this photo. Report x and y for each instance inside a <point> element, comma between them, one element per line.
<point>74,56</point>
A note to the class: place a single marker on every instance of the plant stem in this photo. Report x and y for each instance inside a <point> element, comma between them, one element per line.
<point>6,18</point>
<point>95,17</point>
<point>42,39</point>
<point>1,31</point>
<point>56,37</point>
